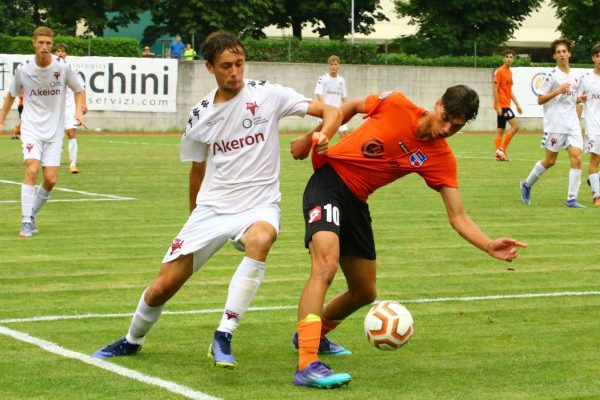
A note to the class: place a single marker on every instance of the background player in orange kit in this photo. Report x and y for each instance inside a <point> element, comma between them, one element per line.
<point>502,96</point>
<point>397,139</point>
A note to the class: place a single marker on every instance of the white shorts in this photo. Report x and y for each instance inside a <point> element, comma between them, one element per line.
<point>556,141</point>
<point>592,144</point>
<point>206,231</point>
<point>71,122</point>
<point>47,152</point>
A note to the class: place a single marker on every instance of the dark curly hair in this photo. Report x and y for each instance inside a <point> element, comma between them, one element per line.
<point>461,101</point>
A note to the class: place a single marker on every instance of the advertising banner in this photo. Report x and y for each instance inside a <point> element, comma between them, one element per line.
<point>115,83</point>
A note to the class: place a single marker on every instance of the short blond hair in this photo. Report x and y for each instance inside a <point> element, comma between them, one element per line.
<point>43,31</point>
<point>333,58</point>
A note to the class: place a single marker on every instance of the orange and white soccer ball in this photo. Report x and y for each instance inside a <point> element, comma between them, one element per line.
<point>388,325</point>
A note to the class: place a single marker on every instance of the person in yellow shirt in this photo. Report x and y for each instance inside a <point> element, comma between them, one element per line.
<point>189,54</point>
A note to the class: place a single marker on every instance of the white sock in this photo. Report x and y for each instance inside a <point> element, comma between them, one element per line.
<point>535,174</point>
<point>73,151</point>
<point>143,320</point>
<point>595,184</point>
<point>27,196</point>
<point>574,183</point>
<point>41,197</point>
<point>242,289</point>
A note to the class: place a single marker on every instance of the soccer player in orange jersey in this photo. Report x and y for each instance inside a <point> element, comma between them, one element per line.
<point>502,96</point>
<point>397,139</point>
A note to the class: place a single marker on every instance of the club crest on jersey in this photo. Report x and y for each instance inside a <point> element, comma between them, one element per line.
<point>417,158</point>
<point>372,148</point>
<point>247,123</point>
<point>314,215</point>
<point>57,74</point>
<point>176,245</point>
<point>252,107</point>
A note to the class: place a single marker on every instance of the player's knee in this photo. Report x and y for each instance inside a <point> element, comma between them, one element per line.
<point>324,270</point>
<point>259,243</point>
<point>366,296</point>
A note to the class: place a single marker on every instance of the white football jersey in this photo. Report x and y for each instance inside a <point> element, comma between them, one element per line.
<point>332,89</point>
<point>44,96</point>
<point>70,102</point>
<point>239,140</point>
<point>560,114</point>
<point>590,84</point>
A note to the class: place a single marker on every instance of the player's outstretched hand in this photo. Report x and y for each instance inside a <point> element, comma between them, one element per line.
<point>504,248</point>
<point>79,118</point>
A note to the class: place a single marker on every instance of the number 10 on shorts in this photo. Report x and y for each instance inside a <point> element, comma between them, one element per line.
<point>332,214</point>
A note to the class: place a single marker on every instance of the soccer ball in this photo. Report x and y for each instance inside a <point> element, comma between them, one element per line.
<point>388,325</point>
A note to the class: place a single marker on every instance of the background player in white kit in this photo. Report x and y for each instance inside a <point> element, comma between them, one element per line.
<point>62,51</point>
<point>331,88</point>
<point>589,95</point>
<point>558,95</point>
<point>44,79</point>
<point>233,143</point>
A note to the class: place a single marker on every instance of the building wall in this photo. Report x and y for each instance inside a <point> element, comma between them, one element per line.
<point>424,85</point>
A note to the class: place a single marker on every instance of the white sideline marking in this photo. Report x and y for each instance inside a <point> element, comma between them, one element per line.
<point>271,308</point>
<point>116,142</point>
<point>102,197</point>
<point>117,369</point>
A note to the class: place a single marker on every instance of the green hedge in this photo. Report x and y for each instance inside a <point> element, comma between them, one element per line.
<point>309,51</point>
<point>107,47</point>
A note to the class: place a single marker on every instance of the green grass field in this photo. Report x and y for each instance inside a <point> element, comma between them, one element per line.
<point>484,329</point>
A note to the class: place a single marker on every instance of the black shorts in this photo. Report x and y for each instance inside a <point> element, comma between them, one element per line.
<point>507,115</point>
<point>329,205</point>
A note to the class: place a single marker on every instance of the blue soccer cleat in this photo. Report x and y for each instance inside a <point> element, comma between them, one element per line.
<point>525,193</point>
<point>573,204</point>
<point>319,375</point>
<point>326,346</point>
<point>119,348</point>
<point>220,350</point>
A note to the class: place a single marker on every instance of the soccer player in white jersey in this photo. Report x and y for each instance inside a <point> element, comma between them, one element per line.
<point>558,95</point>
<point>44,79</point>
<point>232,141</point>
<point>589,95</point>
<point>62,51</point>
<point>331,88</point>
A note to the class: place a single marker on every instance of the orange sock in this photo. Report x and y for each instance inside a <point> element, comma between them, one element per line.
<point>327,326</point>
<point>309,335</point>
<point>498,141</point>
<point>507,140</point>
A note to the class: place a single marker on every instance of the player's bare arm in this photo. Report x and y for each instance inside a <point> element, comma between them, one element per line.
<point>514,99</point>
<point>332,117</point>
<point>502,248</point>
<point>544,98</point>
<point>196,177</point>
<point>8,102</point>
<point>497,99</point>
<point>79,104</point>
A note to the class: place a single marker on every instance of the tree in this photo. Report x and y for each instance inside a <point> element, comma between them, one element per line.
<point>201,17</point>
<point>456,27</point>
<point>94,13</point>
<point>579,22</point>
<point>328,18</point>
